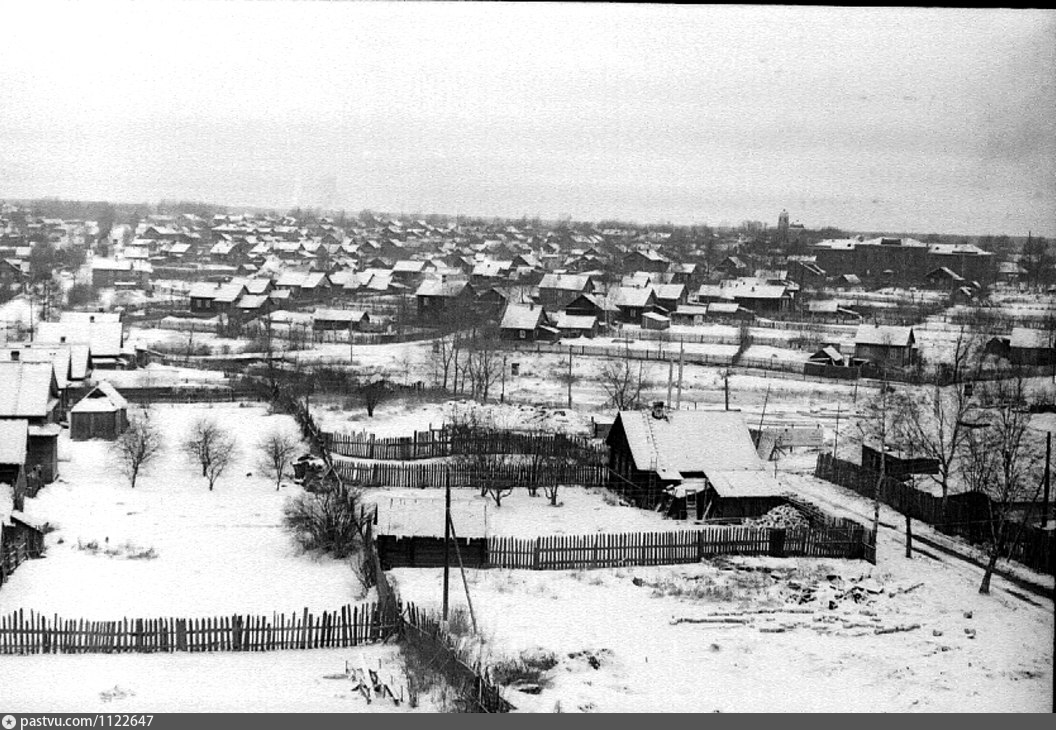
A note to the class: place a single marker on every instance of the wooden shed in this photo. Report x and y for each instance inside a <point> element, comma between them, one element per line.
<point>101,414</point>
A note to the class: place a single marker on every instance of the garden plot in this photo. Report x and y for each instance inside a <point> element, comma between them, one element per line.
<point>288,681</point>
<point>581,511</point>
<point>403,417</point>
<point>762,634</point>
<point>170,547</point>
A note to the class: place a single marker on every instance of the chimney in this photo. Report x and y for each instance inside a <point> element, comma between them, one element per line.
<point>658,410</point>
<point>62,339</point>
<point>15,354</point>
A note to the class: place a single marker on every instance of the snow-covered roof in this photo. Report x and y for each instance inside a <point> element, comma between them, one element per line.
<point>522,316</point>
<point>104,338</point>
<point>13,438</point>
<point>669,291</point>
<point>1028,338</point>
<point>889,335</point>
<point>103,398</point>
<point>438,288</point>
<point>629,296</point>
<point>716,443</point>
<point>26,389</point>
<point>338,315</point>
<point>424,517</point>
<point>58,356</point>
<point>565,282</point>
<point>574,322</point>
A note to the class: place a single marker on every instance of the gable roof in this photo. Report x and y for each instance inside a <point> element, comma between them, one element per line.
<point>716,443</point>
<point>629,296</point>
<point>565,282</point>
<point>338,315</point>
<point>886,335</point>
<point>105,339</point>
<point>522,316</point>
<point>27,389</point>
<point>103,398</point>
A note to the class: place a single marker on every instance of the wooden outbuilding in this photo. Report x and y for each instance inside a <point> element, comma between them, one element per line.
<point>101,414</point>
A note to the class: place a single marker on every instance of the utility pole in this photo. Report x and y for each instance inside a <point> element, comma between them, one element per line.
<point>447,539</point>
<point>836,435</point>
<point>502,395</point>
<point>681,362</point>
<point>570,377</point>
<point>766,399</point>
<point>726,380</point>
<point>670,380</point>
<point>1048,464</point>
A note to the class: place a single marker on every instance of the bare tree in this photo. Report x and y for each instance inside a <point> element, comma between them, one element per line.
<point>621,384</point>
<point>372,393</point>
<point>138,446</point>
<point>1003,458</point>
<point>877,424</point>
<point>211,447</point>
<point>275,452</point>
<point>932,423</point>
<point>483,363</point>
<point>443,355</point>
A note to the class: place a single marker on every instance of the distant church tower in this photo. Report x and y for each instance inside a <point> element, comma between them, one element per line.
<point>782,227</point>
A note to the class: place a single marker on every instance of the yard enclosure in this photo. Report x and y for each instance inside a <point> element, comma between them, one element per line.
<point>578,552</point>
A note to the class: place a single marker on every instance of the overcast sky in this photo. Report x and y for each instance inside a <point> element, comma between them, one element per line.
<point>869,119</point>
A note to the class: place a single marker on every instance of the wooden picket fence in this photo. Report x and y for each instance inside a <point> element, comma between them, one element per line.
<point>579,552</point>
<point>351,625</point>
<point>434,475</point>
<point>443,442</point>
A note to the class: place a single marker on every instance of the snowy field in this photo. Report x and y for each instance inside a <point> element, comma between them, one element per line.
<point>217,553</point>
<point>638,639</point>
<point>580,511</point>
<point>287,681</point>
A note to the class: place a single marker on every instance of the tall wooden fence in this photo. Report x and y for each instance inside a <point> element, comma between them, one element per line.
<point>443,442</point>
<point>351,625</point>
<point>435,475</point>
<point>967,515</point>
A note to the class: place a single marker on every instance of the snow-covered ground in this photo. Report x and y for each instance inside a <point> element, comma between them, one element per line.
<point>580,511</point>
<point>622,641</point>
<point>287,681</point>
<point>403,416</point>
<point>217,553</point>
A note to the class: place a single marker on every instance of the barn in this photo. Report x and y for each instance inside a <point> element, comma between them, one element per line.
<point>101,414</point>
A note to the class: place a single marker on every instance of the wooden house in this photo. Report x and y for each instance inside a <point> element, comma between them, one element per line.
<point>1028,346</point>
<point>101,414</point>
<point>526,323</point>
<point>632,303</point>
<point>885,345</point>
<point>569,325</point>
<point>557,291</point>
<point>339,320</point>
<point>14,440</point>
<point>698,462</point>
<point>436,298</point>
<point>647,260</point>
<point>29,392</point>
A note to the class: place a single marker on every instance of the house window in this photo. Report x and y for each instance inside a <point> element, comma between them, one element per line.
<point>523,334</point>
